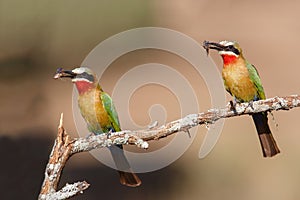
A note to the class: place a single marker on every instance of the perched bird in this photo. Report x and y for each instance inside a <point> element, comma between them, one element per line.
<point>98,111</point>
<point>242,81</point>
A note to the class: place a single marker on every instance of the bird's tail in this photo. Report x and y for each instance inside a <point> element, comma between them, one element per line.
<point>127,177</point>
<point>268,143</point>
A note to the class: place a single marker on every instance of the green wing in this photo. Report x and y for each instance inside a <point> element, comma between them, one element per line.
<point>254,76</point>
<point>111,111</point>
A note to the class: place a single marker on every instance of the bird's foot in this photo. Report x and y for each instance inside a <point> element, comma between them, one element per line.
<point>232,105</point>
<point>250,104</point>
<point>108,134</point>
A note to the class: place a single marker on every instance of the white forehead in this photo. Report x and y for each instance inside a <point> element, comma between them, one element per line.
<point>81,70</point>
<point>226,43</point>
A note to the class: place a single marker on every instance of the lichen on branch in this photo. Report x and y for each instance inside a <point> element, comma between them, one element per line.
<point>64,146</point>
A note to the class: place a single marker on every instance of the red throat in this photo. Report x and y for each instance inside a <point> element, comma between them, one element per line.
<point>83,86</point>
<point>229,59</point>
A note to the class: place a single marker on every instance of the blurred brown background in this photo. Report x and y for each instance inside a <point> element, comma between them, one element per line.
<point>36,37</point>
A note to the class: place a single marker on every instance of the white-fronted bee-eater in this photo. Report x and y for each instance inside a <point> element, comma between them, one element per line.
<point>242,81</point>
<point>99,113</point>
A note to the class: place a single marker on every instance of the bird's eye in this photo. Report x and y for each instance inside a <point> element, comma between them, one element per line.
<point>233,49</point>
<point>86,76</point>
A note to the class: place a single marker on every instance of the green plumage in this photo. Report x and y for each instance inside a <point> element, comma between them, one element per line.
<point>242,81</point>
<point>254,76</point>
<point>111,112</point>
<point>99,112</point>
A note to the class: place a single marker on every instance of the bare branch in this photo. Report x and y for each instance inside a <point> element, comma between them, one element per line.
<point>64,147</point>
<point>67,191</point>
<point>103,140</point>
<point>61,152</point>
<point>212,115</point>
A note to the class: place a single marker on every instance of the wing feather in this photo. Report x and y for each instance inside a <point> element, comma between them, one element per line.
<point>254,76</point>
<point>111,111</point>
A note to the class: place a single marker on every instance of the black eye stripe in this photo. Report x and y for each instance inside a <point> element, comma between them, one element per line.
<point>233,49</point>
<point>86,76</point>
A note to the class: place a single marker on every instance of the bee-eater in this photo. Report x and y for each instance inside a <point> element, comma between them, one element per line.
<point>242,81</point>
<point>99,112</point>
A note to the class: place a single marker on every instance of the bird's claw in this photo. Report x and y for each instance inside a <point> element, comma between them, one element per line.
<point>108,134</point>
<point>232,105</point>
<point>250,104</point>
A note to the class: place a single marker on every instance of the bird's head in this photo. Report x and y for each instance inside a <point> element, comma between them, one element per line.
<point>229,50</point>
<point>83,77</point>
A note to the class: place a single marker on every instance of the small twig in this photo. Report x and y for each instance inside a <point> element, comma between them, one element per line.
<point>64,147</point>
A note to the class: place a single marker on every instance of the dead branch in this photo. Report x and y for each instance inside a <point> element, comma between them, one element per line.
<point>61,152</point>
<point>64,147</point>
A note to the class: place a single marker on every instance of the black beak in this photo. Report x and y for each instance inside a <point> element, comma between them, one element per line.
<point>61,73</point>
<point>213,45</point>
